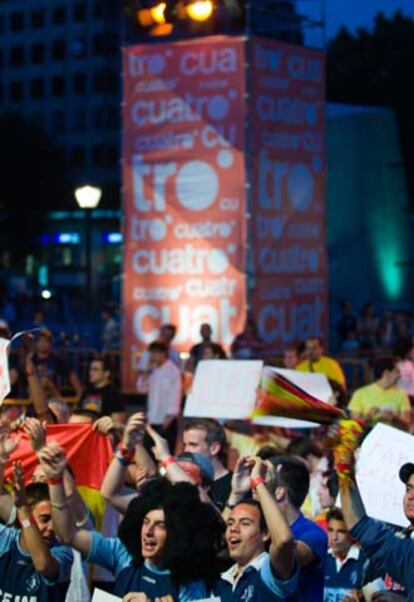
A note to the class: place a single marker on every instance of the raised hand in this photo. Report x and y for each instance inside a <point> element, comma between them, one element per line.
<point>104,425</point>
<point>53,461</point>
<point>142,476</point>
<point>7,445</point>
<point>259,468</point>
<point>161,449</point>
<point>16,482</point>
<point>241,480</point>
<point>134,431</point>
<point>36,431</point>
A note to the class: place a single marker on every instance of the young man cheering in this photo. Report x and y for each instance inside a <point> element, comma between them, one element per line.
<point>258,576</point>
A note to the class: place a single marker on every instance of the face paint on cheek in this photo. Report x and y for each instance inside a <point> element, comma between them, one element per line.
<point>192,471</point>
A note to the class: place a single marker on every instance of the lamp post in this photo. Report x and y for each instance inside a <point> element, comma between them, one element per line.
<point>88,198</point>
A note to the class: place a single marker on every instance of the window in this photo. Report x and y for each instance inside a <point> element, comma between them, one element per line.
<point>78,120</point>
<point>16,91</point>
<point>16,56</point>
<point>58,86</point>
<point>105,44</point>
<point>79,11</point>
<point>105,81</point>
<point>38,19</point>
<point>78,47</point>
<point>37,88</point>
<point>58,50</point>
<point>78,156</point>
<point>16,21</point>
<point>79,83</point>
<point>58,122</point>
<point>98,9</point>
<point>99,155</point>
<point>113,155</point>
<point>37,53</point>
<point>59,14</point>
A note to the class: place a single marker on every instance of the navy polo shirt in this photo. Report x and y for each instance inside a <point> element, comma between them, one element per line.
<point>343,578</point>
<point>258,583</point>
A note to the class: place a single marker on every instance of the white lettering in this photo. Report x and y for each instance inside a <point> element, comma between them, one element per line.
<point>148,319</point>
<point>287,110</point>
<point>289,260</point>
<point>187,260</point>
<point>206,62</point>
<point>281,323</point>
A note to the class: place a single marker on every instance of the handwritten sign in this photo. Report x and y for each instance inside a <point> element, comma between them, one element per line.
<point>382,454</point>
<point>4,369</point>
<point>224,389</point>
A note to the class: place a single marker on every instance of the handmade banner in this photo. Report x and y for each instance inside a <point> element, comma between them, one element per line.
<point>224,389</point>
<point>184,186</point>
<point>290,295</point>
<point>4,369</point>
<point>383,452</point>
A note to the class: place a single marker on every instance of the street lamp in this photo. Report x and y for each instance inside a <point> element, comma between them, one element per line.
<point>88,198</point>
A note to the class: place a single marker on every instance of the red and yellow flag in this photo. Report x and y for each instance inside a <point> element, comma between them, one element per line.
<point>88,452</point>
<point>278,396</point>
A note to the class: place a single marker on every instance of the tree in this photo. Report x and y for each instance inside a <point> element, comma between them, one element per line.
<point>377,68</point>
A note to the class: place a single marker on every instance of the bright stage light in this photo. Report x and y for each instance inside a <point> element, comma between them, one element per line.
<point>147,17</point>
<point>157,13</point>
<point>201,10</point>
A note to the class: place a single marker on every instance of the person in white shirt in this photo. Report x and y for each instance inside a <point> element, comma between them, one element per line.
<point>164,393</point>
<point>167,334</point>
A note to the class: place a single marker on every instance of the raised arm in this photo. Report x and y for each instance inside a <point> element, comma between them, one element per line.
<point>31,539</point>
<point>173,470</point>
<point>7,447</point>
<point>114,479</point>
<point>36,431</point>
<point>282,548</point>
<point>37,394</point>
<point>53,462</point>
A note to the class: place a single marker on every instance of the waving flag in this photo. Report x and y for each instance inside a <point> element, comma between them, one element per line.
<point>88,452</point>
<point>278,396</point>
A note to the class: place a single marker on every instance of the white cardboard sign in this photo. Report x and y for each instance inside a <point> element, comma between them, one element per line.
<point>224,389</point>
<point>382,454</point>
<point>4,369</point>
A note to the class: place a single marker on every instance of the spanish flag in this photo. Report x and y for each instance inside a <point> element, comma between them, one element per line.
<point>278,396</point>
<point>88,452</point>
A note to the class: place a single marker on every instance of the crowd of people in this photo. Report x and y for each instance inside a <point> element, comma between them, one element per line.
<point>196,508</point>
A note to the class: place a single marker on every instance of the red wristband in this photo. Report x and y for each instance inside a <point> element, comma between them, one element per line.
<point>126,453</point>
<point>57,481</point>
<point>256,482</point>
<point>168,461</point>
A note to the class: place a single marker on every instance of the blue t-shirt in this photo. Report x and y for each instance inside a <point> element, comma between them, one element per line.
<point>110,553</point>
<point>257,584</point>
<point>311,577</point>
<point>19,580</point>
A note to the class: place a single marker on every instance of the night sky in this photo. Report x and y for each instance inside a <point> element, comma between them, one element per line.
<point>352,13</point>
